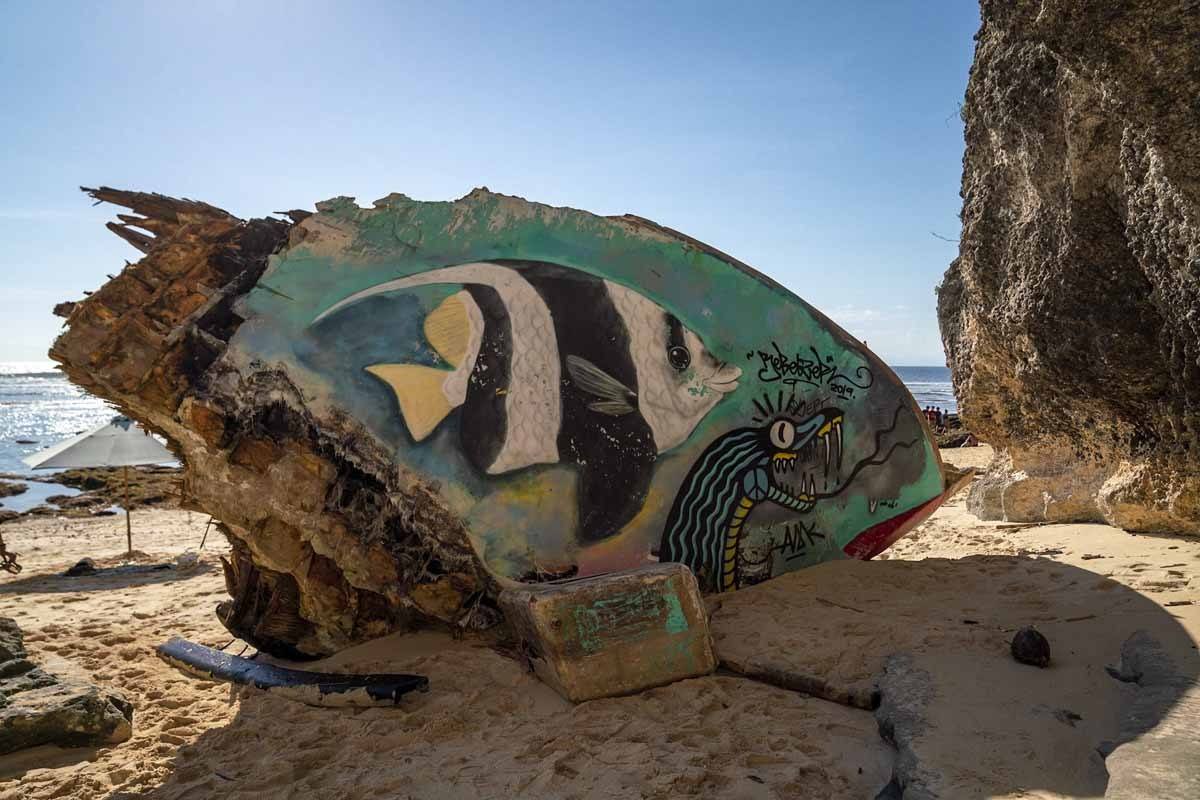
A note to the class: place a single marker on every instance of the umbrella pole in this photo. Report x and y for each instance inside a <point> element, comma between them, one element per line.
<point>128,524</point>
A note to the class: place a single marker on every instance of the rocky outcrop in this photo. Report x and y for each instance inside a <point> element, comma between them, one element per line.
<point>1155,756</point>
<point>330,544</point>
<point>11,488</point>
<point>37,708</point>
<point>141,487</point>
<point>1071,318</point>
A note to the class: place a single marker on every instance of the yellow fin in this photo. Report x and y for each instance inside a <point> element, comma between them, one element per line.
<point>448,329</point>
<point>419,392</point>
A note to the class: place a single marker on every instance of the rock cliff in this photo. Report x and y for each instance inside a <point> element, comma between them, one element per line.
<point>1071,318</point>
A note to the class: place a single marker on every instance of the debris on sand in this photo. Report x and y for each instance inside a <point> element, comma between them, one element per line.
<point>1031,647</point>
<point>84,566</point>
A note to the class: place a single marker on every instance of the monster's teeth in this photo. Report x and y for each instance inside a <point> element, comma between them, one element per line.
<point>837,427</point>
<point>825,441</point>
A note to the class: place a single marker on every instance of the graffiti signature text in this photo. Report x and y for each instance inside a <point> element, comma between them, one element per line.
<point>815,371</point>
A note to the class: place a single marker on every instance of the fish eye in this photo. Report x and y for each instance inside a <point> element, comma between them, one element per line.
<point>679,357</point>
<point>783,433</point>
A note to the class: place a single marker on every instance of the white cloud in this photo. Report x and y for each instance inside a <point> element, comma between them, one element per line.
<point>896,334</point>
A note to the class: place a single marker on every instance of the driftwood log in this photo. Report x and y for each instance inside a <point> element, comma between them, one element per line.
<point>329,545</point>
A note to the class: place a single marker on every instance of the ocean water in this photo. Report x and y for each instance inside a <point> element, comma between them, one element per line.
<point>930,386</point>
<point>39,407</point>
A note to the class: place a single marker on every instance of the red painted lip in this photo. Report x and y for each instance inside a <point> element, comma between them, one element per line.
<point>879,537</point>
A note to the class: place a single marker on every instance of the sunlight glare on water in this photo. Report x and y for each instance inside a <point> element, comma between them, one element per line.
<point>38,404</point>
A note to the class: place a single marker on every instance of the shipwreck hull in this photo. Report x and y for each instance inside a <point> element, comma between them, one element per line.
<point>395,411</point>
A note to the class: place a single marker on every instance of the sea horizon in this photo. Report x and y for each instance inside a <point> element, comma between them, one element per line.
<point>39,406</point>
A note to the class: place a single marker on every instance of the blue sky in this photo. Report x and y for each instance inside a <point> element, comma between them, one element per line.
<point>819,142</point>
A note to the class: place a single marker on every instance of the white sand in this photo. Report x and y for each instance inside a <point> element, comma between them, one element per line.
<point>486,728</point>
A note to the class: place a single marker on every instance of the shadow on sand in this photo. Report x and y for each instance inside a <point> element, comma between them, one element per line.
<point>965,718</point>
<point>929,642</point>
<point>104,578</point>
<point>14,765</point>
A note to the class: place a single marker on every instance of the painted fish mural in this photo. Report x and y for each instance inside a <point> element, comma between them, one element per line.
<point>590,393</point>
<point>553,365</point>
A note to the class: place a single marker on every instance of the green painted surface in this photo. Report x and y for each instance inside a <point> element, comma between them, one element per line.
<point>628,616</point>
<point>676,622</point>
<point>523,519</point>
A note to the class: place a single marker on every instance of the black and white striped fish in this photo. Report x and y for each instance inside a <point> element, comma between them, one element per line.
<point>550,365</point>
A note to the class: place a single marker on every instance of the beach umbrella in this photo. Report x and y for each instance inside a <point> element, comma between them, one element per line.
<point>119,443</point>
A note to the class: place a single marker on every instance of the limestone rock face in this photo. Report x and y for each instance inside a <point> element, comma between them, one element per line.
<point>1071,318</point>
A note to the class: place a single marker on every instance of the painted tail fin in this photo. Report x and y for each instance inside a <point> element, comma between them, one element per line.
<point>419,392</point>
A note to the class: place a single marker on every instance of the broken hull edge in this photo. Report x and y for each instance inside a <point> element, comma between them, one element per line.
<point>880,537</point>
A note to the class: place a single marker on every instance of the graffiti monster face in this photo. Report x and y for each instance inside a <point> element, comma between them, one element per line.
<point>805,460</point>
<point>789,462</point>
<point>797,453</point>
<point>778,462</point>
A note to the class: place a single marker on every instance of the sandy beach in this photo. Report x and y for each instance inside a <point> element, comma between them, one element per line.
<point>554,357</point>
<point>488,728</point>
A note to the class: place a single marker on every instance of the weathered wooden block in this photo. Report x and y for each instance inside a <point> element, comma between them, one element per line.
<point>613,634</point>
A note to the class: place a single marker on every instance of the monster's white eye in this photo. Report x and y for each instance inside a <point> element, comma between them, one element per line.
<point>783,433</point>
